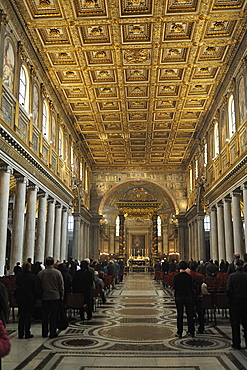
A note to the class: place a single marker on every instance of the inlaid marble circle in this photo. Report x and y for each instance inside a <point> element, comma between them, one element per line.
<point>200,343</point>
<point>137,332</point>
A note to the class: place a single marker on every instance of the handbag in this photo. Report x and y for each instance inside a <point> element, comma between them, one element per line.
<point>62,321</point>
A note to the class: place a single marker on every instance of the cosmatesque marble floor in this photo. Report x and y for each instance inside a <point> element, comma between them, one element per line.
<point>135,329</point>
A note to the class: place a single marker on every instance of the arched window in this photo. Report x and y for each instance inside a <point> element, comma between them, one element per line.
<point>231,115</point>
<point>45,120</point>
<point>23,88</point>
<point>60,143</point>
<point>159,225</point>
<point>117,225</point>
<point>216,139</point>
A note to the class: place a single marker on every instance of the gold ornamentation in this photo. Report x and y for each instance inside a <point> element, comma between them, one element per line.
<point>137,56</point>
<point>177,27</point>
<point>54,32</point>
<point>44,3</point>
<point>219,25</point>
<point>173,51</point>
<point>211,49</point>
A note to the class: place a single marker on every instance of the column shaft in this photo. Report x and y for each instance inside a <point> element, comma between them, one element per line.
<point>213,234</point>
<point>57,232</point>
<point>64,235</point>
<point>196,241</point>
<point>18,222</point>
<point>245,213</point>
<point>76,236</point>
<point>49,237</point>
<point>201,237</point>
<point>40,236</point>
<point>237,223</point>
<point>4,203</point>
<point>29,238</point>
<point>228,229</point>
<point>221,232</point>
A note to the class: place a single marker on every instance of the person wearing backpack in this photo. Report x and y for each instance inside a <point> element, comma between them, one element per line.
<point>197,280</point>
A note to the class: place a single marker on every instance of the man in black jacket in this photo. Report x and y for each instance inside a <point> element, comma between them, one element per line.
<point>82,283</point>
<point>237,296</point>
<point>183,298</point>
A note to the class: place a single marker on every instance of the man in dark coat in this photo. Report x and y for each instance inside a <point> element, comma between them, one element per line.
<point>28,290</point>
<point>237,296</point>
<point>197,280</point>
<point>82,283</point>
<point>183,298</point>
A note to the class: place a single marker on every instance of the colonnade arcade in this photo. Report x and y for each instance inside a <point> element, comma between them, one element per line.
<point>35,216</point>
<point>228,217</point>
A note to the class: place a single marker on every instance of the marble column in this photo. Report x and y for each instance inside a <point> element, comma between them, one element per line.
<point>228,229</point>
<point>245,213</point>
<point>112,231</point>
<point>87,240</point>
<point>5,172</point>
<point>213,234</point>
<point>221,231</point>
<point>121,235</point>
<point>237,223</point>
<point>29,237</point>
<point>196,240</point>
<point>165,238</point>
<point>49,237</point>
<point>183,237</point>
<point>76,236</point>
<point>190,241</point>
<point>81,253</point>
<point>57,232</point>
<point>64,235</point>
<point>18,222</point>
<point>201,237</point>
<point>155,235</point>
<point>39,253</point>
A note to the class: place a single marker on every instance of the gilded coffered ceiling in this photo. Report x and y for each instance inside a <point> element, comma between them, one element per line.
<point>137,76</point>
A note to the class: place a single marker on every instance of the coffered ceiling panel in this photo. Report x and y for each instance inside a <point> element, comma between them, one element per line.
<point>136,76</point>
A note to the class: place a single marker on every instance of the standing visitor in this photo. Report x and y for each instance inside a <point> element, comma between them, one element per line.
<point>183,298</point>
<point>52,292</point>
<point>237,296</point>
<point>28,290</point>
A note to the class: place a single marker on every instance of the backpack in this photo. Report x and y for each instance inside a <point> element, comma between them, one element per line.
<point>196,287</point>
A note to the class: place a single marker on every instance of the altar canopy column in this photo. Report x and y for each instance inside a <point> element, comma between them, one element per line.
<point>5,172</point>
<point>29,238</point>
<point>155,235</point>
<point>245,213</point>
<point>201,237</point>
<point>221,231</point>
<point>40,237</point>
<point>213,234</point>
<point>18,221</point>
<point>121,235</point>
<point>76,236</point>
<point>49,237</point>
<point>64,235</point>
<point>237,223</point>
<point>228,229</point>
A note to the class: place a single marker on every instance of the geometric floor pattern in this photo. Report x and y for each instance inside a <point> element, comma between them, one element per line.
<point>135,329</point>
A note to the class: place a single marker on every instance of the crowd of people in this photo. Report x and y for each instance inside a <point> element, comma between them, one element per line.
<point>52,282</point>
<point>189,280</point>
